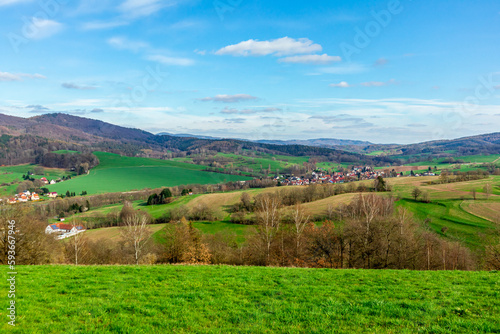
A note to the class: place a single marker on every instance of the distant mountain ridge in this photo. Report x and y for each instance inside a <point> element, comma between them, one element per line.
<point>79,133</point>
<point>322,142</point>
<point>66,131</point>
<point>186,135</point>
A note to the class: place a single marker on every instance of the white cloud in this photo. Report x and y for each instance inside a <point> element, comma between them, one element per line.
<point>341,84</point>
<point>123,43</point>
<point>171,60</point>
<point>41,28</point>
<point>285,46</point>
<point>5,76</point>
<point>311,59</point>
<point>229,98</point>
<point>138,8</point>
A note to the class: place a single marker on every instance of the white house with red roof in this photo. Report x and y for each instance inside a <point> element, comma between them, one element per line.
<point>64,230</point>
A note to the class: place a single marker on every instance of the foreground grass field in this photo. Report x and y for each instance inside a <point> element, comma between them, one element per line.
<point>117,173</point>
<point>219,299</point>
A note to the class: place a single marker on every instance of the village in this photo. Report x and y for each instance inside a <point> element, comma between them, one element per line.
<point>357,173</point>
<point>27,196</point>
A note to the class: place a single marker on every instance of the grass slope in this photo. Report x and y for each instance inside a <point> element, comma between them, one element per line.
<point>14,174</point>
<point>117,173</point>
<point>449,206</point>
<point>220,299</point>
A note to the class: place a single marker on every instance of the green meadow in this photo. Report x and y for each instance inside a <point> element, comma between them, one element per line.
<point>223,299</point>
<point>449,212</point>
<point>117,173</point>
<point>11,176</point>
<point>258,162</point>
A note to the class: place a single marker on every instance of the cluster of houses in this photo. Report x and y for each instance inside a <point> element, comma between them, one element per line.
<point>24,197</point>
<point>45,181</point>
<point>28,196</point>
<point>62,230</point>
<point>357,173</point>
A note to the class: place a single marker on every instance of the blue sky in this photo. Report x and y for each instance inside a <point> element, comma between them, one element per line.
<point>383,71</point>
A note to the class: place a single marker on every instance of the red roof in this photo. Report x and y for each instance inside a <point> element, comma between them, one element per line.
<point>64,226</point>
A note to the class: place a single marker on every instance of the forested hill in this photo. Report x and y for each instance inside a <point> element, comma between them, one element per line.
<point>25,140</point>
<point>482,144</point>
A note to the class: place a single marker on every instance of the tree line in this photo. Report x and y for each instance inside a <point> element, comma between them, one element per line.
<point>368,233</point>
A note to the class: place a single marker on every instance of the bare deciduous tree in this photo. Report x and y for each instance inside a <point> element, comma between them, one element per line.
<point>487,190</point>
<point>269,220</point>
<point>76,247</point>
<point>135,230</point>
<point>300,219</point>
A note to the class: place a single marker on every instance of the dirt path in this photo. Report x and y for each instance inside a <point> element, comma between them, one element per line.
<point>494,162</point>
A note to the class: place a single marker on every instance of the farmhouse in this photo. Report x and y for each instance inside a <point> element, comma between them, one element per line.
<point>44,180</point>
<point>64,230</point>
<point>58,228</point>
<point>53,195</point>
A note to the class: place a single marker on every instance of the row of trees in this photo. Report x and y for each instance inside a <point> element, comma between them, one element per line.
<point>447,177</point>
<point>369,234</point>
<point>81,163</point>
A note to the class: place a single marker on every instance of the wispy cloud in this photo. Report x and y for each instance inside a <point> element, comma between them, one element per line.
<point>285,46</point>
<point>123,43</point>
<point>37,108</point>
<point>234,111</point>
<point>378,83</point>
<point>352,68</point>
<point>6,76</point>
<point>174,61</point>
<point>43,28</point>
<point>235,120</point>
<point>129,11</point>
<point>139,8</point>
<point>341,84</point>
<point>97,25</point>
<point>229,98</point>
<point>311,59</point>
<point>70,85</point>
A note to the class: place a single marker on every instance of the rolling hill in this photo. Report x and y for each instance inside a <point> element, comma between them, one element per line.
<point>120,174</point>
<point>63,131</point>
<point>24,139</point>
